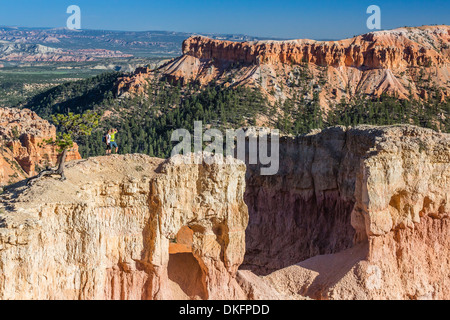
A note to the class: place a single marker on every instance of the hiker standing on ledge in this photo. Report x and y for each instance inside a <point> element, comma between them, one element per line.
<point>107,141</point>
<point>112,142</point>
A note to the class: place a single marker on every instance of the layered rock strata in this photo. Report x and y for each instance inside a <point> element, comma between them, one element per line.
<point>126,227</point>
<point>405,62</point>
<point>354,214</point>
<point>23,151</point>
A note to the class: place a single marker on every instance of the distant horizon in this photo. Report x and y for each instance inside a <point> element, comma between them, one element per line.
<point>281,19</point>
<point>212,33</point>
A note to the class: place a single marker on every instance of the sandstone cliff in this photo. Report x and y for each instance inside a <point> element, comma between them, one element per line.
<point>22,148</point>
<point>404,62</point>
<point>354,214</point>
<point>25,52</point>
<point>126,227</point>
<point>360,213</point>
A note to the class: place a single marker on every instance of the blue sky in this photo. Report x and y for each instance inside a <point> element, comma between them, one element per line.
<point>321,19</point>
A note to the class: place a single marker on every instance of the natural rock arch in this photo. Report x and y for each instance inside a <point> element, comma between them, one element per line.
<point>186,273</point>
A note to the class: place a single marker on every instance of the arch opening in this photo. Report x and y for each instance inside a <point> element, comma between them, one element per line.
<point>186,276</point>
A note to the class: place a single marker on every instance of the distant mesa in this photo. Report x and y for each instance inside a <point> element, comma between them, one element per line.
<point>23,52</point>
<point>396,62</point>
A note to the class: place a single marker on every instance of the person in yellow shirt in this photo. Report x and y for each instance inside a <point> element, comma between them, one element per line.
<point>113,143</point>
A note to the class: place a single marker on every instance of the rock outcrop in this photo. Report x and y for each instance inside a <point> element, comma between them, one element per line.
<point>135,84</point>
<point>23,150</point>
<point>424,46</point>
<point>400,62</point>
<point>353,213</point>
<point>126,227</point>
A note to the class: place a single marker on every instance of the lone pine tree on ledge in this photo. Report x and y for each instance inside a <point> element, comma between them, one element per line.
<point>71,128</point>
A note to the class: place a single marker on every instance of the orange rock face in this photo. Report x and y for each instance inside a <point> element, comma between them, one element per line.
<point>354,214</point>
<point>23,148</point>
<point>371,64</point>
<point>385,49</point>
<point>135,84</point>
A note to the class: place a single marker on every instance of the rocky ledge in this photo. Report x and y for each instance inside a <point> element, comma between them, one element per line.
<point>360,213</point>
